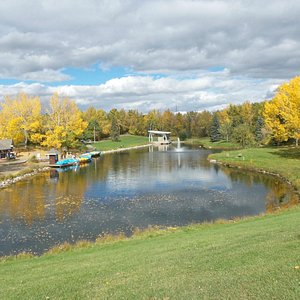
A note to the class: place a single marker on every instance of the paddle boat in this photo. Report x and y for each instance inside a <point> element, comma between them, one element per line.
<point>65,163</point>
<point>85,158</point>
<point>95,153</point>
<point>92,153</point>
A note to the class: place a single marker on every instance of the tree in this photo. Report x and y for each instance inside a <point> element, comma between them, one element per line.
<point>104,122</point>
<point>204,122</point>
<point>167,120</point>
<point>178,125</point>
<point>282,113</point>
<point>246,113</point>
<point>92,131</point>
<point>234,113</point>
<point>259,130</point>
<point>215,134</point>
<point>153,120</point>
<point>242,135</point>
<point>21,118</point>
<point>63,123</point>
<point>226,124</point>
<point>114,130</point>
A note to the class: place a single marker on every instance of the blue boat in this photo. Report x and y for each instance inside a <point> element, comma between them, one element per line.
<point>65,163</point>
<point>92,153</point>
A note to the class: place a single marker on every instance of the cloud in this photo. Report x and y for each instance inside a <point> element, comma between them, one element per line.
<point>156,36</point>
<point>258,46</point>
<point>147,92</point>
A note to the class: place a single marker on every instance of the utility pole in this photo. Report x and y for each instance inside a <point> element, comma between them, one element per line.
<point>94,134</point>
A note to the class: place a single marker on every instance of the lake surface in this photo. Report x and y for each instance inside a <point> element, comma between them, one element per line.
<point>124,191</point>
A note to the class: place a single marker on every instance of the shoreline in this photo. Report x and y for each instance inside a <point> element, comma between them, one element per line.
<point>13,178</point>
<point>149,232</point>
<point>19,177</point>
<point>257,170</point>
<point>249,253</point>
<point>254,162</point>
<point>124,149</point>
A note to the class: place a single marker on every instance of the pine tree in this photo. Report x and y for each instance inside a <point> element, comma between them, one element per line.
<point>114,130</point>
<point>258,130</point>
<point>215,134</point>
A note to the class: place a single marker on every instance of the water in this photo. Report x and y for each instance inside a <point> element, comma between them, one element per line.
<point>120,192</point>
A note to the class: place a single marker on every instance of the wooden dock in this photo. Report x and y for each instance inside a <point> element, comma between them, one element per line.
<point>61,166</point>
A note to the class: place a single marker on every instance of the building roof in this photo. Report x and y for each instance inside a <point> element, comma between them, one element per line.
<point>159,132</point>
<point>6,144</point>
<point>53,152</point>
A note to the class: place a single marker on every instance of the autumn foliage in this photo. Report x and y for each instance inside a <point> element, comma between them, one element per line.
<point>282,113</point>
<point>62,124</point>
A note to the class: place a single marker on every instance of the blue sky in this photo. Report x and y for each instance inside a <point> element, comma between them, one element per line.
<point>145,55</point>
<point>93,75</point>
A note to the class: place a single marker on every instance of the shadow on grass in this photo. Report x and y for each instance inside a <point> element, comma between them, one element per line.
<point>292,153</point>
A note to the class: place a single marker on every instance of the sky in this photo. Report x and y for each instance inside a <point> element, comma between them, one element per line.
<point>181,55</point>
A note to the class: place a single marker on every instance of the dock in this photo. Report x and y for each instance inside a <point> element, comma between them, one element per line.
<point>61,166</point>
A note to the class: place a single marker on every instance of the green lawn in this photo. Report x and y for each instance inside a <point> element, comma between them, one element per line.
<point>256,258</point>
<point>125,142</point>
<point>282,160</point>
<point>207,143</point>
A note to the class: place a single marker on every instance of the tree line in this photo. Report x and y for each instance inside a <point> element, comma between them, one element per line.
<point>63,124</point>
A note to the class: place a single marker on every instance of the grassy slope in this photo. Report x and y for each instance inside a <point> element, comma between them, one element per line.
<point>206,142</point>
<point>284,161</point>
<point>125,142</point>
<point>257,258</point>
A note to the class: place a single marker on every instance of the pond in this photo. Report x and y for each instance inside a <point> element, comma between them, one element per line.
<point>120,192</point>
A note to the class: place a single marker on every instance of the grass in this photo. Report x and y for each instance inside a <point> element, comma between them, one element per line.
<point>126,141</point>
<point>284,161</point>
<point>255,258</point>
<point>207,143</point>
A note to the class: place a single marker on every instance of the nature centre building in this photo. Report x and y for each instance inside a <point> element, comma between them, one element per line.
<point>159,137</point>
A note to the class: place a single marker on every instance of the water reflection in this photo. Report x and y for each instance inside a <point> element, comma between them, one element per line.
<point>122,191</point>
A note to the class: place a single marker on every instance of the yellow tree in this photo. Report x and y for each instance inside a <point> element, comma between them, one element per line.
<point>20,118</point>
<point>63,123</point>
<point>226,124</point>
<point>104,122</point>
<point>282,113</point>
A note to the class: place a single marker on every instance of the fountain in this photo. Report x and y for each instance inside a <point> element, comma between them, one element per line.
<point>178,143</point>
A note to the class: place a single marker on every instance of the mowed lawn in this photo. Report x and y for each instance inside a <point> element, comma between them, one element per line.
<point>207,143</point>
<point>282,160</point>
<point>126,141</point>
<point>256,258</point>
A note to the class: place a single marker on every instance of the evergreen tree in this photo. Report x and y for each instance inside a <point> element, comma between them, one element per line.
<point>114,130</point>
<point>258,130</point>
<point>215,134</point>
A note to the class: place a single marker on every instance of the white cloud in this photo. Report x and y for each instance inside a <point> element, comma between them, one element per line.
<point>146,92</point>
<point>151,35</point>
<point>178,38</point>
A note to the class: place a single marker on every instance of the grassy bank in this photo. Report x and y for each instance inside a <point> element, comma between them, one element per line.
<point>284,161</point>
<point>256,258</point>
<point>207,143</point>
<point>125,142</point>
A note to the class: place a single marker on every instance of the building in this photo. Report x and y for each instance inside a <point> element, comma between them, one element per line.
<point>6,146</point>
<point>53,156</point>
<point>162,137</point>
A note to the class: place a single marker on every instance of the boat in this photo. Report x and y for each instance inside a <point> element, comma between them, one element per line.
<point>92,153</point>
<point>95,153</point>
<point>84,158</point>
<point>65,163</point>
